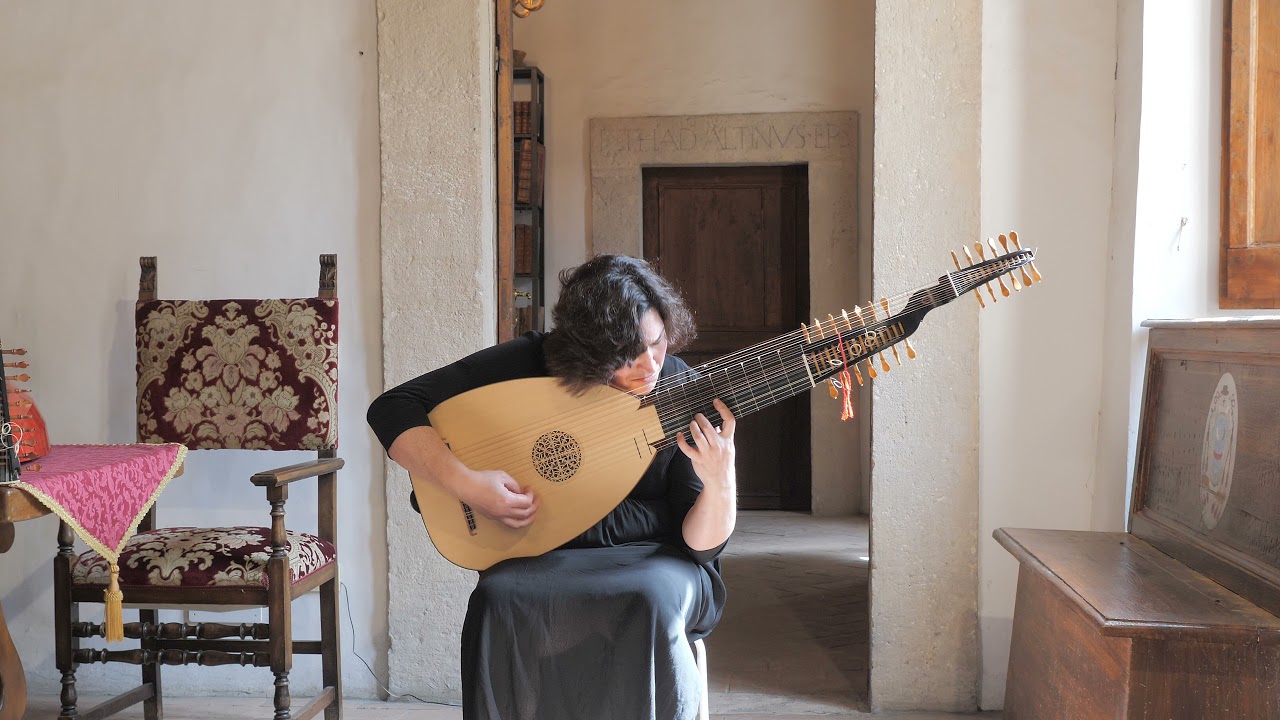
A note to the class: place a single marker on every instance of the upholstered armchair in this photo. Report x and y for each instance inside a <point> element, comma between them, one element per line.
<point>218,374</point>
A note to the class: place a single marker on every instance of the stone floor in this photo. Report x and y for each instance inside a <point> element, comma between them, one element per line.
<point>794,636</point>
<point>792,644</point>
<point>46,708</point>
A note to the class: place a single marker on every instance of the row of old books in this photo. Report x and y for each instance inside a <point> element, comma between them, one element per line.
<point>530,167</point>
<point>523,258</point>
<point>521,117</point>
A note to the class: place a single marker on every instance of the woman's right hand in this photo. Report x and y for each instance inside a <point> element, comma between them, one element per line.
<point>492,493</point>
<point>497,496</point>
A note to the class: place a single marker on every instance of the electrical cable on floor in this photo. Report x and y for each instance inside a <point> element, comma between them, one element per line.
<point>384,688</point>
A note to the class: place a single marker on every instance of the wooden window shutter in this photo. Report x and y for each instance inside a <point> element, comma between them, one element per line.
<point>1249,269</point>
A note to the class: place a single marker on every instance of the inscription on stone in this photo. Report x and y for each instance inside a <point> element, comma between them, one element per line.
<point>730,137</point>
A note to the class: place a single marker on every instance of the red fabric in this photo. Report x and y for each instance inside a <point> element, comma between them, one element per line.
<point>255,374</point>
<point>102,490</point>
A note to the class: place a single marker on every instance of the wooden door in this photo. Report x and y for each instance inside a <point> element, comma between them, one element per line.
<point>735,241</point>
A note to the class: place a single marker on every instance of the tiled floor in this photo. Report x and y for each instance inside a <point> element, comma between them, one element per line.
<point>792,643</point>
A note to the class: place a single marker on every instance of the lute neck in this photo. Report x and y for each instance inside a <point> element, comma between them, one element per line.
<point>765,374</point>
<point>777,369</point>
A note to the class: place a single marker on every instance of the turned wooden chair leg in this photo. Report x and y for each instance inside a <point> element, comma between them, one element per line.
<point>152,707</point>
<point>65,613</point>
<point>280,602</point>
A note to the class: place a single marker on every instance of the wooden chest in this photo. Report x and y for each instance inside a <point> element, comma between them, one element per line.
<point>1176,618</point>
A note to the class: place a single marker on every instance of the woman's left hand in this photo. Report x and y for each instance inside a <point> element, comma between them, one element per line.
<point>712,452</point>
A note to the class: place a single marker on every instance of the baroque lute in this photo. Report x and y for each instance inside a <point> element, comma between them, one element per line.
<point>583,454</point>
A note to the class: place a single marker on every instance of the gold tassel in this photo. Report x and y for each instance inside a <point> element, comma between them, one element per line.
<point>114,611</point>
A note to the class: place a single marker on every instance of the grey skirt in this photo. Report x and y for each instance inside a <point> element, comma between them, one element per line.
<point>589,634</point>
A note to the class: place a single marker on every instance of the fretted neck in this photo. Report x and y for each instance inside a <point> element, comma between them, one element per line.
<point>746,381</point>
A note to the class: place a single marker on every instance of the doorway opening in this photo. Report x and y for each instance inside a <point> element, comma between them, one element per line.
<point>735,241</point>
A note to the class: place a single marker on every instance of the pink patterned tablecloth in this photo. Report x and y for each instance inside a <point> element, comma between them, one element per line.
<point>102,491</point>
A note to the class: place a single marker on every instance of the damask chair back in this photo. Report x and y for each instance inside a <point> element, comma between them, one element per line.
<point>252,374</point>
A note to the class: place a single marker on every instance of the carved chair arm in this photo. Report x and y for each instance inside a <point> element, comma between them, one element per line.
<point>285,475</point>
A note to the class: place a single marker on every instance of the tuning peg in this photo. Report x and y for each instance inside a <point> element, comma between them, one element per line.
<point>19,365</point>
<point>1026,279</point>
<point>845,314</point>
<point>884,303</point>
<point>818,325</point>
<point>995,252</point>
<point>835,325</point>
<point>857,374</point>
<point>911,352</point>
<point>1035,274</point>
<point>981,303</point>
<point>805,330</point>
<point>18,378</point>
<point>14,351</point>
<point>969,256</point>
<point>982,255</point>
<point>857,312</point>
<point>871,369</point>
<point>832,389</point>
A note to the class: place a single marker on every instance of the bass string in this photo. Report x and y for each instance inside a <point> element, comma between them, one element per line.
<point>596,432</point>
<point>668,386</point>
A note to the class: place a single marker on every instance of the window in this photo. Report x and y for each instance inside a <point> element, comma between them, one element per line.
<point>1249,273</point>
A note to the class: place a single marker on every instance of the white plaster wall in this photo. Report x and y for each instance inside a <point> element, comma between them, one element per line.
<point>236,141</point>
<point>672,57</point>
<point>436,96</point>
<point>1176,268</point>
<point>924,445</point>
<point>1048,120</point>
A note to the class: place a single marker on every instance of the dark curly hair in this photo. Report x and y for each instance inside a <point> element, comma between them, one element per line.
<point>597,319</point>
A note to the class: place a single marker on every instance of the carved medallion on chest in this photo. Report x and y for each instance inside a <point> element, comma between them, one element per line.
<point>1218,456</point>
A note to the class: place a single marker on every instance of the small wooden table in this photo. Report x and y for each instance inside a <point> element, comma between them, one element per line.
<point>15,506</point>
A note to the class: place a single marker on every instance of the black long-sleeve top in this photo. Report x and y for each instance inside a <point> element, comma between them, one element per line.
<point>653,511</point>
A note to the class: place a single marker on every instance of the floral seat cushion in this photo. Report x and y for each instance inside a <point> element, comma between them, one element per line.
<point>203,558</point>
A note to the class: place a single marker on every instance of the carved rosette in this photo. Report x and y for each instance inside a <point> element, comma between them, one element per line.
<point>556,456</point>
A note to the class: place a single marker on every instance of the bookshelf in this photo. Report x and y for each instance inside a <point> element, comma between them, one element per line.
<point>529,149</point>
